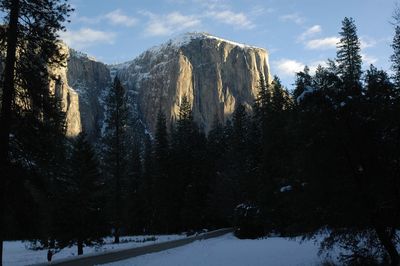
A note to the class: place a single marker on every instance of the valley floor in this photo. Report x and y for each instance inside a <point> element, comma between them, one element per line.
<point>227,250</point>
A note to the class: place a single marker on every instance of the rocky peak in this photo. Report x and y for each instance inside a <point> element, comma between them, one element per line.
<point>215,74</point>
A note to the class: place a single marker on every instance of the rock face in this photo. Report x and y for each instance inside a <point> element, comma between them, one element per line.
<point>69,97</point>
<point>214,74</point>
<point>91,80</point>
<point>81,84</point>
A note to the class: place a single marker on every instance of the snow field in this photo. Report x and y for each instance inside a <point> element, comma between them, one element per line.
<point>231,251</point>
<point>16,253</point>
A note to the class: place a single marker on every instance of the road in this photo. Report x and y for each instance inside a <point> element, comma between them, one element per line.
<point>116,255</point>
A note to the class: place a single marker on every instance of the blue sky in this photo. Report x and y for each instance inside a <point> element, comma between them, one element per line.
<point>295,33</point>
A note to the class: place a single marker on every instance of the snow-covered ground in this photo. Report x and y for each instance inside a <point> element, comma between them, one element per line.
<point>227,250</point>
<point>16,253</point>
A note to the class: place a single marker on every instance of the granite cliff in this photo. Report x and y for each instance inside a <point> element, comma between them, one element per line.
<point>214,74</point>
<point>80,84</point>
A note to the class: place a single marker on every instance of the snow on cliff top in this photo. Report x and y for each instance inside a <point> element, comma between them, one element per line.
<point>81,55</point>
<point>186,38</point>
<point>178,42</point>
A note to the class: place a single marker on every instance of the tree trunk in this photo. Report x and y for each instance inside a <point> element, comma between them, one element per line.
<point>5,115</point>
<point>388,244</point>
<point>116,234</point>
<point>80,247</point>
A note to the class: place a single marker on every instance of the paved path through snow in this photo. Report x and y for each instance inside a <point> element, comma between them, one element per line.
<point>112,256</point>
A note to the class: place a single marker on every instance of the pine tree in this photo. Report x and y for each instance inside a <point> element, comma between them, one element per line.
<point>146,202</point>
<point>220,198</point>
<point>239,154</point>
<point>32,33</point>
<point>303,81</point>
<point>189,173</point>
<point>263,98</point>
<point>395,58</point>
<point>135,174</point>
<point>348,55</point>
<point>116,152</point>
<point>162,183</point>
<point>347,139</point>
<point>81,210</point>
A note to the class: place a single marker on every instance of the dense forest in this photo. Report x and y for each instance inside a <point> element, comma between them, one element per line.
<point>323,157</point>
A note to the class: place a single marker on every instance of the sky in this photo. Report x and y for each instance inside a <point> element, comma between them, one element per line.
<point>295,33</point>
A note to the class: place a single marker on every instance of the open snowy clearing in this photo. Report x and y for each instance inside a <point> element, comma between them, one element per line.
<point>16,253</point>
<point>228,250</point>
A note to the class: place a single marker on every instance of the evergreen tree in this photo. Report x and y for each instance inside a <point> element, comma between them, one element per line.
<point>263,98</point>
<point>189,176</point>
<point>348,55</point>
<point>303,81</point>
<point>395,58</point>
<point>32,33</point>
<point>221,196</point>
<point>116,152</point>
<point>239,154</point>
<point>162,183</point>
<point>146,213</point>
<point>134,178</point>
<point>347,139</point>
<point>80,218</point>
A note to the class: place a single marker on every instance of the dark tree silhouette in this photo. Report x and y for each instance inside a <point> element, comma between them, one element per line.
<point>31,32</point>
<point>115,154</point>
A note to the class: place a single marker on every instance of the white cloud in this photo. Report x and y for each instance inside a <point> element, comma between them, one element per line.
<point>368,59</point>
<point>322,44</point>
<point>87,20</point>
<point>288,67</point>
<point>260,10</point>
<point>367,42</point>
<point>312,31</point>
<point>160,25</point>
<point>212,4</point>
<point>294,17</point>
<point>238,20</point>
<point>86,37</point>
<point>117,17</point>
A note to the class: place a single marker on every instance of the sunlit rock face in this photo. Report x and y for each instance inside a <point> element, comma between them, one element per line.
<point>90,79</point>
<point>81,82</point>
<point>214,74</point>
<point>68,96</point>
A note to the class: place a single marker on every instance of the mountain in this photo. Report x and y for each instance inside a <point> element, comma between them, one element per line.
<point>83,82</point>
<point>215,74</point>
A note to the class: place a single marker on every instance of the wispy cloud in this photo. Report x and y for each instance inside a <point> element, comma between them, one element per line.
<point>86,37</point>
<point>238,20</point>
<point>117,17</point>
<point>212,4</point>
<point>367,42</point>
<point>160,25</point>
<point>288,67</point>
<point>294,17</point>
<point>310,32</point>
<point>322,44</point>
<point>260,10</point>
<point>368,59</point>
